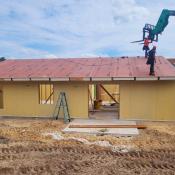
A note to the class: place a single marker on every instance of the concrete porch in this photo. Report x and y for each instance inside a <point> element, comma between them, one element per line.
<point>105,131</point>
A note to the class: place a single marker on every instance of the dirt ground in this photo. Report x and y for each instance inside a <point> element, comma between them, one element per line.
<point>25,149</point>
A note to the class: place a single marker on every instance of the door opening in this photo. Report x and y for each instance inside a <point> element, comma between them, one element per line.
<point>104,101</point>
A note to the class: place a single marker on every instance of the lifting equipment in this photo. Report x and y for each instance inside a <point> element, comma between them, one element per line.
<point>152,32</point>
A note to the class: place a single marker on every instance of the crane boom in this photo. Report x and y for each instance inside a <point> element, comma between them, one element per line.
<point>162,22</point>
<point>152,31</point>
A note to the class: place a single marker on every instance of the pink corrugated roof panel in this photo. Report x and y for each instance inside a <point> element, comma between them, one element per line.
<point>84,68</point>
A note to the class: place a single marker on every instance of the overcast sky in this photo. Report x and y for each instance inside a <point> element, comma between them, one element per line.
<point>80,28</point>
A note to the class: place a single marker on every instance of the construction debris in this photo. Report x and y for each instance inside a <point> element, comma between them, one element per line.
<point>119,148</point>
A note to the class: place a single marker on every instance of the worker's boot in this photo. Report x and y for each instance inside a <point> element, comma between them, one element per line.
<point>152,73</point>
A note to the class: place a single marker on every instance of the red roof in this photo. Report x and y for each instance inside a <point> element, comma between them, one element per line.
<point>84,68</point>
<point>171,60</point>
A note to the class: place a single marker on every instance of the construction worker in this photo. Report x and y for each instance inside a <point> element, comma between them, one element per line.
<point>146,46</point>
<point>152,60</point>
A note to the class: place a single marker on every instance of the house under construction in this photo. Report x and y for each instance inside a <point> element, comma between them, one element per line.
<point>120,88</point>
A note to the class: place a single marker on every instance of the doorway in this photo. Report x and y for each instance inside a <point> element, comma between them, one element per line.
<point>104,101</point>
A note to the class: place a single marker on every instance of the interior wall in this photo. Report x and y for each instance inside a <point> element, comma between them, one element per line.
<point>46,93</point>
<point>147,100</point>
<point>22,99</point>
<point>113,89</point>
<point>92,91</point>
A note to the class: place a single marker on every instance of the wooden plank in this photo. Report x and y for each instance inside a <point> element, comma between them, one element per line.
<point>108,126</point>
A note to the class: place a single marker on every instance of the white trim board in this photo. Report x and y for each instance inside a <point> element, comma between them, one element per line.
<point>60,79</point>
<point>123,78</point>
<point>167,78</point>
<point>102,79</point>
<point>146,78</point>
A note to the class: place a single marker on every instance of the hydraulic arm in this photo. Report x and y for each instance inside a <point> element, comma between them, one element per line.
<point>152,32</point>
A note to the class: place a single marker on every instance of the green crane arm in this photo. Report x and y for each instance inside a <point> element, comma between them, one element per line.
<point>151,31</point>
<point>162,22</point>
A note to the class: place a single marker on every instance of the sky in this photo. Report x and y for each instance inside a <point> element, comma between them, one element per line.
<point>80,28</point>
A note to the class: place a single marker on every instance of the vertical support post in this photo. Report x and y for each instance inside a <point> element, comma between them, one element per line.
<point>98,92</point>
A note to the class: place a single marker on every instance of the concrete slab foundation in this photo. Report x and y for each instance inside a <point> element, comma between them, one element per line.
<point>105,131</point>
<point>102,115</point>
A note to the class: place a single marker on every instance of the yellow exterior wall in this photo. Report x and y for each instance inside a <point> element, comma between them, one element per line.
<point>22,99</point>
<point>147,100</point>
<point>1,98</point>
<point>138,100</point>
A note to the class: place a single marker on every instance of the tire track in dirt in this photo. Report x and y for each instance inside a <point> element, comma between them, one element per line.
<point>68,149</point>
<point>93,158</point>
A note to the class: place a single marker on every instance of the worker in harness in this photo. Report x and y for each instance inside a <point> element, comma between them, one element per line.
<point>146,46</point>
<point>152,60</point>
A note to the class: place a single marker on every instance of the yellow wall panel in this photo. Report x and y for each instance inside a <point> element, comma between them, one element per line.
<point>1,98</point>
<point>22,99</point>
<point>138,100</point>
<point>147,100</point>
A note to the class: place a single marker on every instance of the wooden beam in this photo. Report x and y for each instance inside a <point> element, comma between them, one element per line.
<point>108,126</point>
<point>109,94</point>
<point>98,92</point>
<point>91,98</point>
